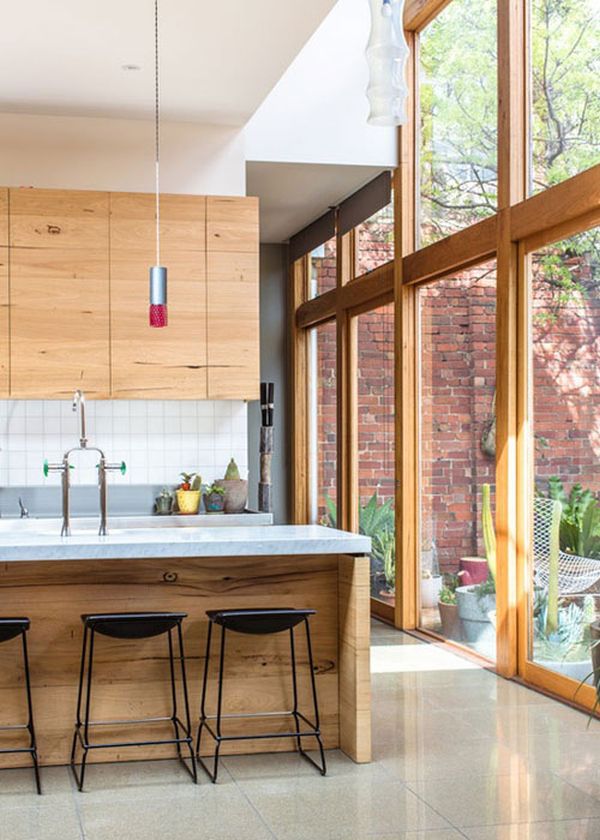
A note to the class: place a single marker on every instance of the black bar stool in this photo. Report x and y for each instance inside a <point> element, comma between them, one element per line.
<point>131,626</point>
<point>259,623</point>
<point>10,628</point>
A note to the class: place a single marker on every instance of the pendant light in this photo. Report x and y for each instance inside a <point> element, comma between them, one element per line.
<point>158,273</point>
<point>387,52</point>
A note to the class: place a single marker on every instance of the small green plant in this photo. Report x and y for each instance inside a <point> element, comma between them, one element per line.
<point>567,641</point>
<point>580,518</point>
<point>190,481</point>
<point>376,520</point>
<point>232,472</point>
<point>215,487</point>
<point>447,595</point>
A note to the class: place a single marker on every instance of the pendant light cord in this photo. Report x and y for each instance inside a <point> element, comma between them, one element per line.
<point>157,131</point>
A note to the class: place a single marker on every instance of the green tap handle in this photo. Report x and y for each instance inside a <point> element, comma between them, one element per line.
<point>123,467</point>
<point>47,467</point>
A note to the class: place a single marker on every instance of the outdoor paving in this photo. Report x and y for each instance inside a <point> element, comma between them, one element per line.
<point>458,753</point>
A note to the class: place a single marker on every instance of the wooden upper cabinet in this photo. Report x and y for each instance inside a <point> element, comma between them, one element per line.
<point>58,219</point>
<point>59,293</point>
<point>59,324</point>
<point>233,326</point>
<point>152,363</point>
<point>3,216</point>
<point>4,322</point>
<point>232,224</point>
<point>182,221</point>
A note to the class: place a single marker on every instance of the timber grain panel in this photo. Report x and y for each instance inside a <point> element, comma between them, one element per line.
<point>133,222</point>
<point>158,364</point>
<point>233,325</point>
<point>232,224</point>
<point>59,322</point>
<point>3,216</point>
<point>4,324</point>
<point>58,219</point>
<point>131,677</point>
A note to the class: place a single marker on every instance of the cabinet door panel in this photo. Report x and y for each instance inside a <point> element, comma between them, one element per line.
<point>182,221</point>
<point>4,342</point>
<point>232,224</point>
<point>3,216</point>
<point>233,326</point>
<point>59,322</point>
<point>158,363</point>
<point>58,219</point>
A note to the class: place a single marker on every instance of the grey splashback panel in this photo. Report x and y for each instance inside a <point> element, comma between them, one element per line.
<point>123,500</point>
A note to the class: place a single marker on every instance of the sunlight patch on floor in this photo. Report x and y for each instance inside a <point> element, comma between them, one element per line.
<point>392,659</point>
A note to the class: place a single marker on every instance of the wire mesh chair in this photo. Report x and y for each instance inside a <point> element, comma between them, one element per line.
<point>575,574</point>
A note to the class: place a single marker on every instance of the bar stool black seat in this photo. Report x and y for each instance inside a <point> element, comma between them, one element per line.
<point>259,622</point>
<point>11,628</point>
<point>132,625</point>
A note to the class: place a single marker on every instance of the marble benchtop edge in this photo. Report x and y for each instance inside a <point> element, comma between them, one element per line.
<point>254,541</point>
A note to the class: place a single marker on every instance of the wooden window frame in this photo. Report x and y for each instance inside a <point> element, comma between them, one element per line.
<point>520,223</point>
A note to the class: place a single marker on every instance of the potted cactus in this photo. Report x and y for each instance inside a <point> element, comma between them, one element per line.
<point>236,489</point>
<point>477,604</point>
<point>214,498</point>
<point>448,608</point>
<point>188,493</point>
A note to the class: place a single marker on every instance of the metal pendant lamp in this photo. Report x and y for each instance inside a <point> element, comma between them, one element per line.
<point>387,53</point>
<point>158,273</point>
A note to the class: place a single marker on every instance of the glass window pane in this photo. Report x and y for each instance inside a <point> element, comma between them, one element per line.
<point>565,561</point>
<point>375,240</point>
<point>457,457</point>
<point>323,419</point>
<point>458,126</point>
<point>322,268</point>
<point>376,465</point>
<point>565,68</point>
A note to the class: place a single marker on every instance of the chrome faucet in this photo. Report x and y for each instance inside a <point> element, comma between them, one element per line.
<point>65,467</point>
<point>24,513</point>
<point>79,407</point>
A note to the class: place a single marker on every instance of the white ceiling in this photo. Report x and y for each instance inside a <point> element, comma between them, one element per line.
<point>294,194</point>
<point>219,60</point>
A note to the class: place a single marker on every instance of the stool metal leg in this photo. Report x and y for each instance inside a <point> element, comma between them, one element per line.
<point>186,703</point>
<point>217,737</point>
<point>317,725</point>
<point>84,741</point>
<point>174,695</point>
<point>30,726</point>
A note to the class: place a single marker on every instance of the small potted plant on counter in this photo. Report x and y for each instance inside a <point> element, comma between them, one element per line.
<point>236,489</point>
<point>188,493</point>
<point>163,504</point>
<point>214,498</point>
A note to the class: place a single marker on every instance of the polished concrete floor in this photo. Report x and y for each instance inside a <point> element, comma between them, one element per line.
<point>458,754</point>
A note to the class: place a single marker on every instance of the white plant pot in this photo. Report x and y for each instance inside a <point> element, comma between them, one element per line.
<point>430,590</point>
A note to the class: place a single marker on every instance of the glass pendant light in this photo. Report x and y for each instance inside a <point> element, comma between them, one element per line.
<point>387,52</point>
<point>158,273</point>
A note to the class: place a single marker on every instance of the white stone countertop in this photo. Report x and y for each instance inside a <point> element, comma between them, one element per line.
<point>28,544</point>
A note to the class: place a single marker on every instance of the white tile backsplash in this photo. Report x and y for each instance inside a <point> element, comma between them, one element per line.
<point>156,439</point>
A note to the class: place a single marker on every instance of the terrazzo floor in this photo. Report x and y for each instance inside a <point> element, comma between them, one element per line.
<point>458,753</point>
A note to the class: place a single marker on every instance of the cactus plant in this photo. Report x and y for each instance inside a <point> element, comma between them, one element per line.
<point>489,532</point>
<point>232,473</point>
<point>553,561</point>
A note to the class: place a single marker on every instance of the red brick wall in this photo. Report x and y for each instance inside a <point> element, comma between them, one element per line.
<point>457,398</point>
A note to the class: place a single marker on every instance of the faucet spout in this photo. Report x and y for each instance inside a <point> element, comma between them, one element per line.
<point>79,407</point>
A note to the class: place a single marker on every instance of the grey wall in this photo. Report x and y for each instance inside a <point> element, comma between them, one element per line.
<point>273,368</point>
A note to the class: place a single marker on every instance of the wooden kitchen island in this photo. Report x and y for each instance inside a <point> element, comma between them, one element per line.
<point>54,580</point>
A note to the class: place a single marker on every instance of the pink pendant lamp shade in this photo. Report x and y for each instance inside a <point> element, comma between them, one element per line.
<point>158,296</point>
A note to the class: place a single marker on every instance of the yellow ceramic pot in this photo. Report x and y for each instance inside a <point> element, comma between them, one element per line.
<point>188,501</point>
